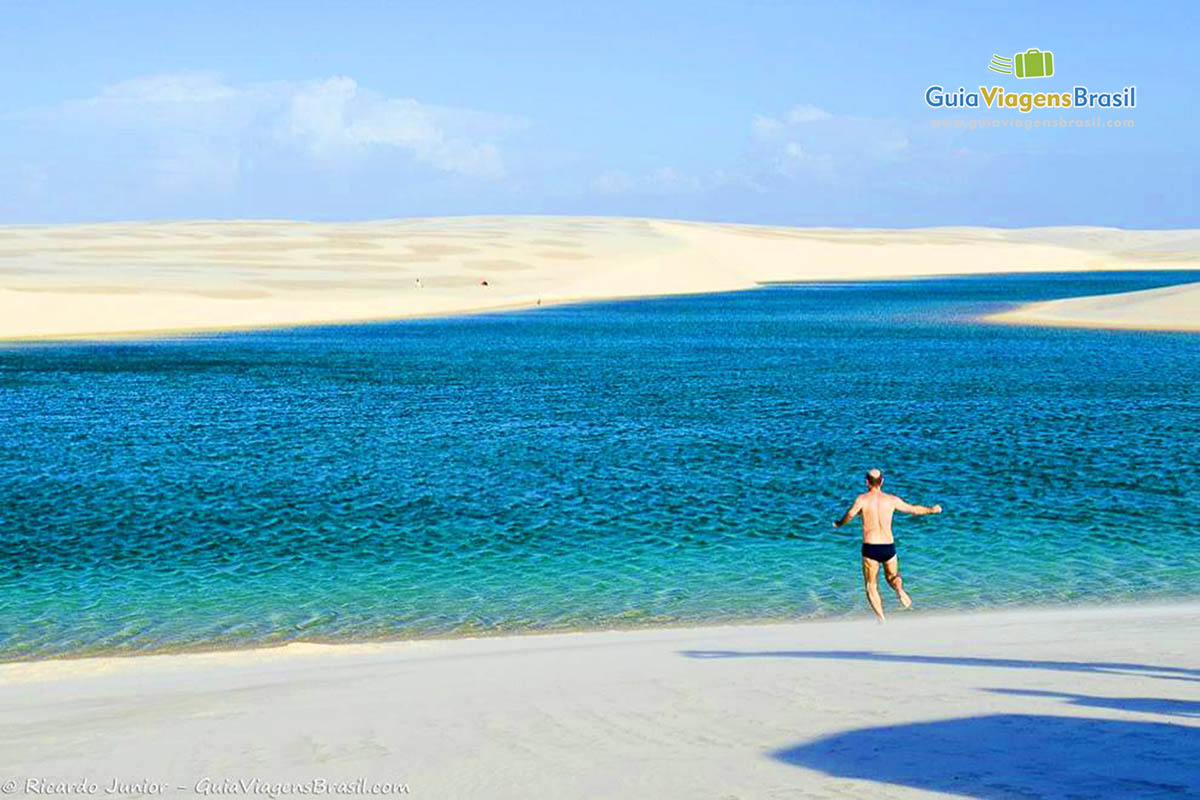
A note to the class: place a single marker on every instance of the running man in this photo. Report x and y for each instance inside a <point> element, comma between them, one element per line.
<point>878,547</point>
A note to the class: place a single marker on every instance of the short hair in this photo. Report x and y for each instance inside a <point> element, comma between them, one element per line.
<point>874,477</point>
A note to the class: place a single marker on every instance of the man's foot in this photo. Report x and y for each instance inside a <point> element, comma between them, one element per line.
<point>905,600</point>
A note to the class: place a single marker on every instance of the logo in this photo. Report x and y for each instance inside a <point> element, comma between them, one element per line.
<point>1033,63</point>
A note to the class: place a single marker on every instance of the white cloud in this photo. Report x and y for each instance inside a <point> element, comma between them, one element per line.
<point>769,128</point>
<point>186,89</point>
<point>336,117</point>
<point>806,113</point>
<point>613,182</point>
<point>196,130</point>
<point>802,142</point>
<point>663,180</point>
<point>807,140</point>
<point>792,160</point>
<point>762,127</point>
<point>671,179</point>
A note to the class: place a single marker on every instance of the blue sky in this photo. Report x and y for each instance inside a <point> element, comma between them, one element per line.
<point>779,113</point>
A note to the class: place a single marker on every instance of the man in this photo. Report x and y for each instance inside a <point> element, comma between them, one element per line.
<point>878,547</point>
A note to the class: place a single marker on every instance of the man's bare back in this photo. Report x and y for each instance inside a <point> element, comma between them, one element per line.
<point>879,548</point>
<point>877,507</point>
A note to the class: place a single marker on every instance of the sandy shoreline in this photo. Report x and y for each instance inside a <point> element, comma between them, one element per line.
<point>1101,702</point>
<point>143,278</point>
<point>1171,308</point>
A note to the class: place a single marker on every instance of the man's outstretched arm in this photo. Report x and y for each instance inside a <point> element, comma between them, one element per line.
<point>918,510</point>
<point>849,515</point>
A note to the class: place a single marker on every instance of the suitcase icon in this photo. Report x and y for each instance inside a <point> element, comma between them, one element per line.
<point>1034,63</point>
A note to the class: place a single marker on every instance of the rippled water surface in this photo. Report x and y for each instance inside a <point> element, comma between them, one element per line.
<point>632,463</point>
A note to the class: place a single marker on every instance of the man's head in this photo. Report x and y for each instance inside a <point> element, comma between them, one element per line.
<point>874,478</point>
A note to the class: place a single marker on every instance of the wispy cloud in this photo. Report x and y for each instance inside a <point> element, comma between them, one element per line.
<point>810,140</point>
<point>663,180</point>
<point>195,131</point>
<point>196,144</point>
<point>803,143</point>
<point>336,118</point>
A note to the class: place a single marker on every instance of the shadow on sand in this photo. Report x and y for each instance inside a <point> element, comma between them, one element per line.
<point>1109,668</point>
<point>1143,705</point>
<point>1016,756</point>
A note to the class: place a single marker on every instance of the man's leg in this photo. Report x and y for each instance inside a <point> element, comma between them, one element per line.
<point>871,579</point>
<point>891,573</point>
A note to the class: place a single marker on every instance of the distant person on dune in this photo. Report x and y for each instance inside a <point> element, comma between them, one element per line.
<point>878,547</point>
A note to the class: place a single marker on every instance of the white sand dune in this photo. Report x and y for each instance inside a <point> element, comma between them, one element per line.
<point>1065,703</point>
<point>1169,308</point>
<point>137,278</point>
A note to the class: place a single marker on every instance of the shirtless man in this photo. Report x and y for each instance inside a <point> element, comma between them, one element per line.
<point>878,546</point>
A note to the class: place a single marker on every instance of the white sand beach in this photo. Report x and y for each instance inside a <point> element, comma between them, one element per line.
<point>1101,703</point>
<point>143,277</point>
<point>1171,308</point>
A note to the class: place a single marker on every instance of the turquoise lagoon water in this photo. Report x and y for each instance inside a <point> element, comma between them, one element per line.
<point>611,464</point>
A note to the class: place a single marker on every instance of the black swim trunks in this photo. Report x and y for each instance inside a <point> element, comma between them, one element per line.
<point>879,552</point>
